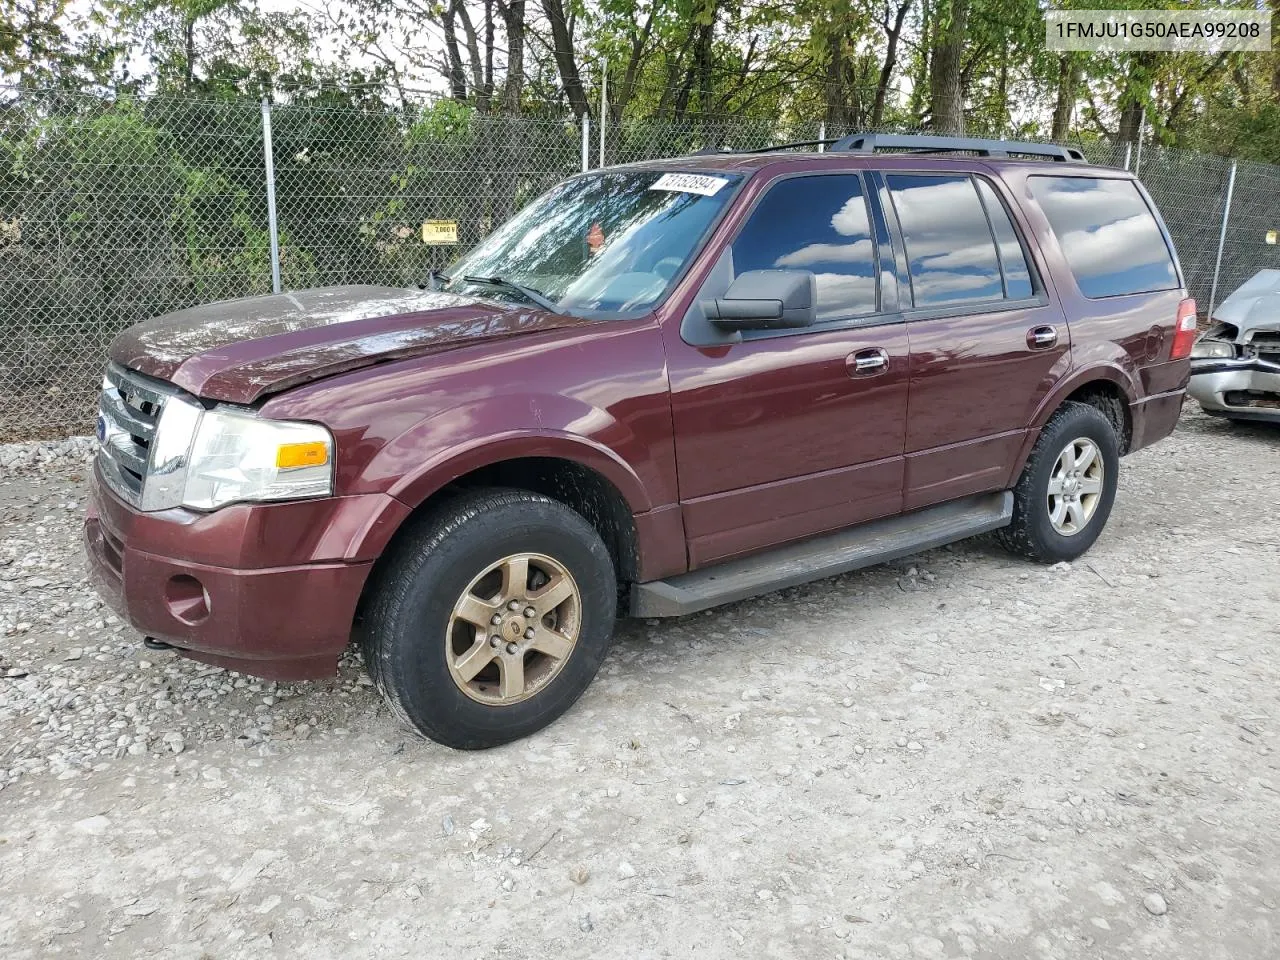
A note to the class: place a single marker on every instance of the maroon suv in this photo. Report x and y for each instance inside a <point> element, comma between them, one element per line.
<point>658,388</point>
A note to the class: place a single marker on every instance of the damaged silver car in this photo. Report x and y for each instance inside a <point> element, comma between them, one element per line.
<point>1235,365</point>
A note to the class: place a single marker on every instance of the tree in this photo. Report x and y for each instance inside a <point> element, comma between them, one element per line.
<point>946,94</point>
<point>52,43</point>
<point>1069,71</point>
<point>893,36</point>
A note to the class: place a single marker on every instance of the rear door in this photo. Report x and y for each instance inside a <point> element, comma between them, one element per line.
<point>987,342</point>
<point>789,433</point>
<point>1122,287</point>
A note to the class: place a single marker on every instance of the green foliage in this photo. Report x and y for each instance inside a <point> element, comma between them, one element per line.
<point>442,121</point>
<point>225,241</point>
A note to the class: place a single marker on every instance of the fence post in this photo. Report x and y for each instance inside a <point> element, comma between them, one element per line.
<point>1127,148</point>
<point>604,107</point>
<point>822,135</point>
<point>1142,128</point>
<point>586,142</point>
<point>1222,239</point>
<point>273,228</point>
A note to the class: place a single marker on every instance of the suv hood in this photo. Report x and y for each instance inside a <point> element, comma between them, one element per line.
<point>242,350</point>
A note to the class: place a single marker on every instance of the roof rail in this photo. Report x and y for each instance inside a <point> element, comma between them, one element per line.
<point>705,151</point>
<point>871,142</point>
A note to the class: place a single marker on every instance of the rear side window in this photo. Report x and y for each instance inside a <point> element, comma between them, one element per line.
<point>818,224</point>
<point>1108,235</point>
<point>1017,275</point>
<point>951,253</point>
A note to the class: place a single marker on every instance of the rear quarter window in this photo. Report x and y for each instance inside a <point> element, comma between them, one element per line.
<point>1109,237</point>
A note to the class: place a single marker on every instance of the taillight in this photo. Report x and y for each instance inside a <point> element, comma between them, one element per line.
<point>1184,331</point>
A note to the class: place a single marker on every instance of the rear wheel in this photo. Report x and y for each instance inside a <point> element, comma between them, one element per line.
<point>491,618</point>
<point>1065,493</point>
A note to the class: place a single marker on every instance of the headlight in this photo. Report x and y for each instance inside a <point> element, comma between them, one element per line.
<point>1213,350</point>
<point>238,456</point>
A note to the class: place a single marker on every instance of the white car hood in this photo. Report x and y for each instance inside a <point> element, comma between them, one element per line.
<point>1254,305</point>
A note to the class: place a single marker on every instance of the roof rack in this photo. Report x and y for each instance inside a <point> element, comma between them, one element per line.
<point>705,151</point>
<point>871,142</point>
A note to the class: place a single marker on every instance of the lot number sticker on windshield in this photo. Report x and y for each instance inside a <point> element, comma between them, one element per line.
<point>690,183</point>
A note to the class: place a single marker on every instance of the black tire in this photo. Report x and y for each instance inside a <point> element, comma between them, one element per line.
<point>1031,533</point>
<point>405,644</point>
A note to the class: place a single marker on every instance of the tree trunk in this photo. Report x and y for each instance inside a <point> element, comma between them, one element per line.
<point>1275,49</point>
<point>189,68</point>
<point>487,95</point>
<point>459,9</point>
<point>673,70</point>
<point>946,93</point>
<point>836,115</point>
<point>639,44</point>
<point>702,60</point>
<point>699,67</point>
<point>1130,121</point>
<point>566,62</point>
<point>1002,89</point>
<point>892,35</point>
<point>1064,106</point>
<point>513,19</point>
<point>1133,96</point>
<point>924,62</point>
<point>455,74</point>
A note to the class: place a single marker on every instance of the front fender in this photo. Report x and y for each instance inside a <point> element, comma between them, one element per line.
<point>451,464</point>
<point>451,443</point>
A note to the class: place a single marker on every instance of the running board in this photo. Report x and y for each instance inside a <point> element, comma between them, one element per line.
<point>862,546</point>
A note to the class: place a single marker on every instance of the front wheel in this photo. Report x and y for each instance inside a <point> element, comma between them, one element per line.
<point>491,618</point>
<point>1065,493</point>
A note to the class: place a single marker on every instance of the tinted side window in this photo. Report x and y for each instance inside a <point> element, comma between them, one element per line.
<point>818,224</point>
<point>950,252</point>
<point>1017,275</point>
<point>1111,241</point>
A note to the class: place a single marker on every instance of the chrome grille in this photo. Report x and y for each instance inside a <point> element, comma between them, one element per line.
<point>128,412</point>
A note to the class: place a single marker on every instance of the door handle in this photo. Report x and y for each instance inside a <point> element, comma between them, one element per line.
<point>1042,338</point>
<point>867,363</point>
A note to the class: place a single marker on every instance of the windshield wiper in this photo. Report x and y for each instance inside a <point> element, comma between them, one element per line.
<point>530,294</point>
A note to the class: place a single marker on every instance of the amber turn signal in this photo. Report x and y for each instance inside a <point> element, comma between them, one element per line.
<point>313,454</point>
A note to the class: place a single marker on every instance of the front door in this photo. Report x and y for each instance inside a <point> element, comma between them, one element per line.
<point>791,433</point>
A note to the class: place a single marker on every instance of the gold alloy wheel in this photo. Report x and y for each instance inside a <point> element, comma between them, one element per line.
<point>1075,486</point>
<point>513,629</point>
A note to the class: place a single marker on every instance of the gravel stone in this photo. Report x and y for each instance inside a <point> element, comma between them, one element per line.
<point>301,817</point>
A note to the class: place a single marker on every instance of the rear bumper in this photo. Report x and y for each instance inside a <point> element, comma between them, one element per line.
<point>281,622</point>
<point>1247,388</point>
<point>1154,418</point>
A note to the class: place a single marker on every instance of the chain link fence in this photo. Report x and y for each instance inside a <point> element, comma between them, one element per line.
<point>112,210</point>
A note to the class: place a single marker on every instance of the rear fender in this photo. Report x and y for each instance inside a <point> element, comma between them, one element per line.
<point>1118,371</point>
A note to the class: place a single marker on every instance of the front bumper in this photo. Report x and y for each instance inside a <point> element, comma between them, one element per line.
<point>1247,388</point>
<point>248,587</point>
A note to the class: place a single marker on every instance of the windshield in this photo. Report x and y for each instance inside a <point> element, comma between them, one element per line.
<point>602,244</point>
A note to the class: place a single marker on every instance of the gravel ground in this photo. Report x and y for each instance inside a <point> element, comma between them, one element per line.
<point>958,755</point>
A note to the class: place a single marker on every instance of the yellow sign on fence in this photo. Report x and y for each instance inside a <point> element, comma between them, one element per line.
<point>439,232</point>
<point>1271,237</point>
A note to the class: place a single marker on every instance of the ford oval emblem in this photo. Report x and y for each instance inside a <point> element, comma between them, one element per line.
<point>101,429</point>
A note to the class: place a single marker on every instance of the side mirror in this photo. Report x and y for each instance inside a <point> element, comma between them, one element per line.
<point>766,300</point>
